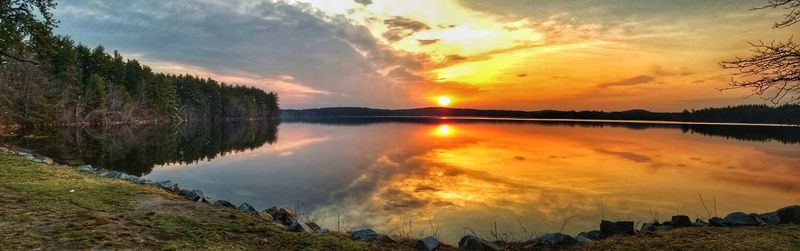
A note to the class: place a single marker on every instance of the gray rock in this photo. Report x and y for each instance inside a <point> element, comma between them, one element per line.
<point>115,175</point>
<point>582,239</point>
<point>25,155</point>
<point>323,230</point>
<point>196,196</point>
<point>789,215</point>
<point>266,216</point>
<point>681,221</point>
<point>758,219</point>
<point>364,235</point>
<point>43,160</point>
<point>85,168</point>
<point>771,218</point>
<point>169,186</point>
<point>700,223</point>
<point>184,192</point>
<point>247,208</point>
<point>428,243</point>
<point>740,219</point>
<point>134,180</point>
<point>225,203</point>
<point>283,215</point>
<point>648,228</point>
<point>314,226</point>
<point>470,242</point>
<point>298,226</point>
<point>616,228</point>
<point>664,228</point>
<point>718,222</point>
<point>595,235</point>
<point>556,239</point>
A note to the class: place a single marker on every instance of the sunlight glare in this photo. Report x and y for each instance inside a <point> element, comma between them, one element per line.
<point>444,100</point>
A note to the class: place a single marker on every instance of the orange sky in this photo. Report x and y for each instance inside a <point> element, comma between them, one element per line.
<point>514,54</point>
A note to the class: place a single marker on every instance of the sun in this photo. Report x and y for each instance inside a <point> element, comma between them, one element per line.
<point>444,100</point>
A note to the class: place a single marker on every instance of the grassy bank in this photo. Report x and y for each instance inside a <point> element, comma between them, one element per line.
<point>55,207</point>
<point>39,211</point>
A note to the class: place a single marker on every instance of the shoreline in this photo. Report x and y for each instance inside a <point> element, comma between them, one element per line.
<point>284,220</point>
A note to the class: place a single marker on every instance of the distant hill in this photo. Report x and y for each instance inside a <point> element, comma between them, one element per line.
<point>785,114</point>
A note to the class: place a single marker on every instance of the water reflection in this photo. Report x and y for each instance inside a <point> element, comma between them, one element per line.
<point>415,173</point>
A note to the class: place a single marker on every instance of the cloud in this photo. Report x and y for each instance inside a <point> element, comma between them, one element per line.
<point>363,2</point>
<point>402,74</point>
<point>641,79</point>
<point>401,27</point>
<point>428,41</point>
<point>264,39</point>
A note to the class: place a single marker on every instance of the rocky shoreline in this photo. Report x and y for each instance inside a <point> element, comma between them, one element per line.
<point>288,220</point>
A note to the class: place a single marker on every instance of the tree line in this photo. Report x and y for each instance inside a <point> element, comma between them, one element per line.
<point>47,79</point>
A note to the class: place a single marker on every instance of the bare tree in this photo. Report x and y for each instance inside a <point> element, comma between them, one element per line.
<point>773,71</point>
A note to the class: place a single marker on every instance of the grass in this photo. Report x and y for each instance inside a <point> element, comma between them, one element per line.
<point>39,212</point>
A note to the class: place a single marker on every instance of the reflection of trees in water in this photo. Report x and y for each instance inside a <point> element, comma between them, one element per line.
<point>136,149</point>
<point>786,135</point>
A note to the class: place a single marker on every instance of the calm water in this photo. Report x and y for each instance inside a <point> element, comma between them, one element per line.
<point>415,175</point>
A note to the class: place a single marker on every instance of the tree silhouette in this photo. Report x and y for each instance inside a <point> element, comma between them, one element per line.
<point>773,71</point>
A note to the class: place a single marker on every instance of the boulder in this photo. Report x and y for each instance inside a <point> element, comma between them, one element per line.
<point>25,155</point>
<point>771,218</point>
<point>428,243</point>
<point>595,235</point>
<point>648,228</point>
<point>556,239</point>
<point>364,235</point>
<point>266,216</point>
<point>184,192</point>
<point>582,239</point>
<point>196,196</point>
<point>314,226</point>
<point>134,179</point>
<point>681,221</point>
<point>323,230</point>
<point>225,203</point>
<point>297,226</point>
<point>740,219</point>
<point>284,215</point>
<point>759,220</point>
<point>247,208</point>
<point>789,215</point>
<point>616,228</point>
<point>169,186</point>
<point>718,222</point>
<point>470,242</point>
<point>43,160</point>
<point>700,223</point>
<point>85,168</point>
<point>116,175</point>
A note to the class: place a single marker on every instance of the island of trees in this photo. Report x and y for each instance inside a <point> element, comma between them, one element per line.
<point>47,79</point>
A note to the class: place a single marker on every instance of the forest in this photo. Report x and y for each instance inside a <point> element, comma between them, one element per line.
<point>49,79</point>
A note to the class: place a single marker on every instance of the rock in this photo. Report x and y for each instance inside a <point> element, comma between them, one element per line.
<point>595,235</point>
<point>183,192</point>
<point>134,180</point>
<point>266,216</point>
<point>428,243</point>
<point>196,196</point>
<point>789,215</point>
<point>85,168</point>
<point>115,175</point>
<point>364,235</point>
<point>323,230</point>
<point>681,221</point>
<point>387,239</point>
<point>284,215</point>
<point>648,228</point>
<point>470,242</point>
<point>582,239</point>
<point>247,208</point>
<point>700,223</point>
<point>718,222</point>
<point>556,239</point>
<point>758,219</point>
<point>169,186</point>
<point>771,218</point>
<point>25,155</point>
<point>740,219</point>
<point>43,160</point>
<point>314,226</point>
<point>664,228</point>
<point>225,203</point>
<point>298,226</point>
<point>616,228</point>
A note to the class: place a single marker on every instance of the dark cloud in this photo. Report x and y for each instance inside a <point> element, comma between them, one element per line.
<point>402,74</point>
<point>641,79</point>
<point>428,41</point>
<point>401,27</point>
<point>262,40</point>
<point>364,2</point>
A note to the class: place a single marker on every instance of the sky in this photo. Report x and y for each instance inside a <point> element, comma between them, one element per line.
<point>661,55</point>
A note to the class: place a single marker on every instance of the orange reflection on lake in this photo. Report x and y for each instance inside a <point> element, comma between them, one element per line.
<point>534,177</point>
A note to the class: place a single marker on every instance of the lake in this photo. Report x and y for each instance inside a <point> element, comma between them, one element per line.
<point>418,176</point>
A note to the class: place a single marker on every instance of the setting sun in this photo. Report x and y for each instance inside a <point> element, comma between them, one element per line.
<point>444,100</point>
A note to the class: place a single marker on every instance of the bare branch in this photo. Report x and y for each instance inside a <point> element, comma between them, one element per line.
<point>789,19</point>
<point>773,71</point>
